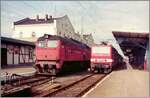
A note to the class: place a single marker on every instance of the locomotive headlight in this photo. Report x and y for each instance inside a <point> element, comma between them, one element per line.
<point>92,60</point>
<point>109,60</point>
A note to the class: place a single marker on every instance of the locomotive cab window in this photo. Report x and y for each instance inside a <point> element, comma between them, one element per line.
<point>101,50</point>
<point>42,44</point>
<point>52,43</point>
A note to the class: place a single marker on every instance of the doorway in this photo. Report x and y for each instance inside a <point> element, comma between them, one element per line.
<point>3,57</point>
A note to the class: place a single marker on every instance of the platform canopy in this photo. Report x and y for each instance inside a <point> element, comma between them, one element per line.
<point>131,34</point>
<point>134,45</point>
<point>134,37</point>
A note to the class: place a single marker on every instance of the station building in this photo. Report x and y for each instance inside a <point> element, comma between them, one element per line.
<point>30,29</point>
<point>16,52</point>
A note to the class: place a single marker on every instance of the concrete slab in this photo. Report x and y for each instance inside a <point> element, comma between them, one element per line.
<point>124,83</point>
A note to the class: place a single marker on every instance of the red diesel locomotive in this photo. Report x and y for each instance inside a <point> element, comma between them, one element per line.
<point>56,54</point>
<point>104,58</point>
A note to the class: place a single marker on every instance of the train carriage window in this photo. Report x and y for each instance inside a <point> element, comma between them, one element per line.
<point>42,44</point>
<point>52,43</point>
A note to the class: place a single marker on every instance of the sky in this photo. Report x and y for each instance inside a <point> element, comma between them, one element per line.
<point>97,17</point>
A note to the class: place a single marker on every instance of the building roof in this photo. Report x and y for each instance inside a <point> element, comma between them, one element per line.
<point>131,34</point>
<point>27,21</point>
<point>87,35</point>
<point>32,21</point>
<point>16,41</point>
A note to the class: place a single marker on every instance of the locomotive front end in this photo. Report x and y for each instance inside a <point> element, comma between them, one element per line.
<point>101,59</point>
<point>47,56</point>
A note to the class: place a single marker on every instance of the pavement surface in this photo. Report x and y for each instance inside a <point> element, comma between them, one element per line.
<point>123,83</point>
<point>24,70</point>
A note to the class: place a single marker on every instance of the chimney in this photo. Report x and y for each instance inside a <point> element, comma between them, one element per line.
<point>37,17</point>
<point>46,17</point>
<point>50,17</point>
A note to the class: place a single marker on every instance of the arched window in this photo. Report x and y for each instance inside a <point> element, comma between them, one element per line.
<point>33,34</point>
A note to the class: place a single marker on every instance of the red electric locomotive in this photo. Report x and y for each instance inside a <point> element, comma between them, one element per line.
<point>56,54</point>
<point>104,58</point>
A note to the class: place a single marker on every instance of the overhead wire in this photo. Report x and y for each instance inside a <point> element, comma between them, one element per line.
<point>91,17</point>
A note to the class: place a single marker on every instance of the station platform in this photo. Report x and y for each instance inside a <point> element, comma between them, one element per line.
<point>123,83</point>
<point>20,70</point>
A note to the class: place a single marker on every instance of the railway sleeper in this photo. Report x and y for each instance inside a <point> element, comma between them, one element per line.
<point>21,91</point>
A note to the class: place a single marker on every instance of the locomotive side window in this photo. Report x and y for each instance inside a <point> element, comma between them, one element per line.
<point>52,43</point>
<point>42,44</point>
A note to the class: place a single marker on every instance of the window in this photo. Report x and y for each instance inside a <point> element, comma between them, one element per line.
<point>33,34</point>
<point>101,50</point>
<point>31,53</point>
<point>42,44</point>
<point>16,49</point>
<point>52,43</point>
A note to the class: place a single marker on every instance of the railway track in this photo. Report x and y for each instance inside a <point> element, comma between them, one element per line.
<point>16,86</point>
<point>44,87</point>
<point>75,89</point>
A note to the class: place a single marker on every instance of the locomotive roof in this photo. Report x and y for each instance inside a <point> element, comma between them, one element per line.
<point>64,39</point>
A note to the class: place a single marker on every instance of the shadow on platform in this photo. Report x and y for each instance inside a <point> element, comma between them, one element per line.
<point>120,67</point>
